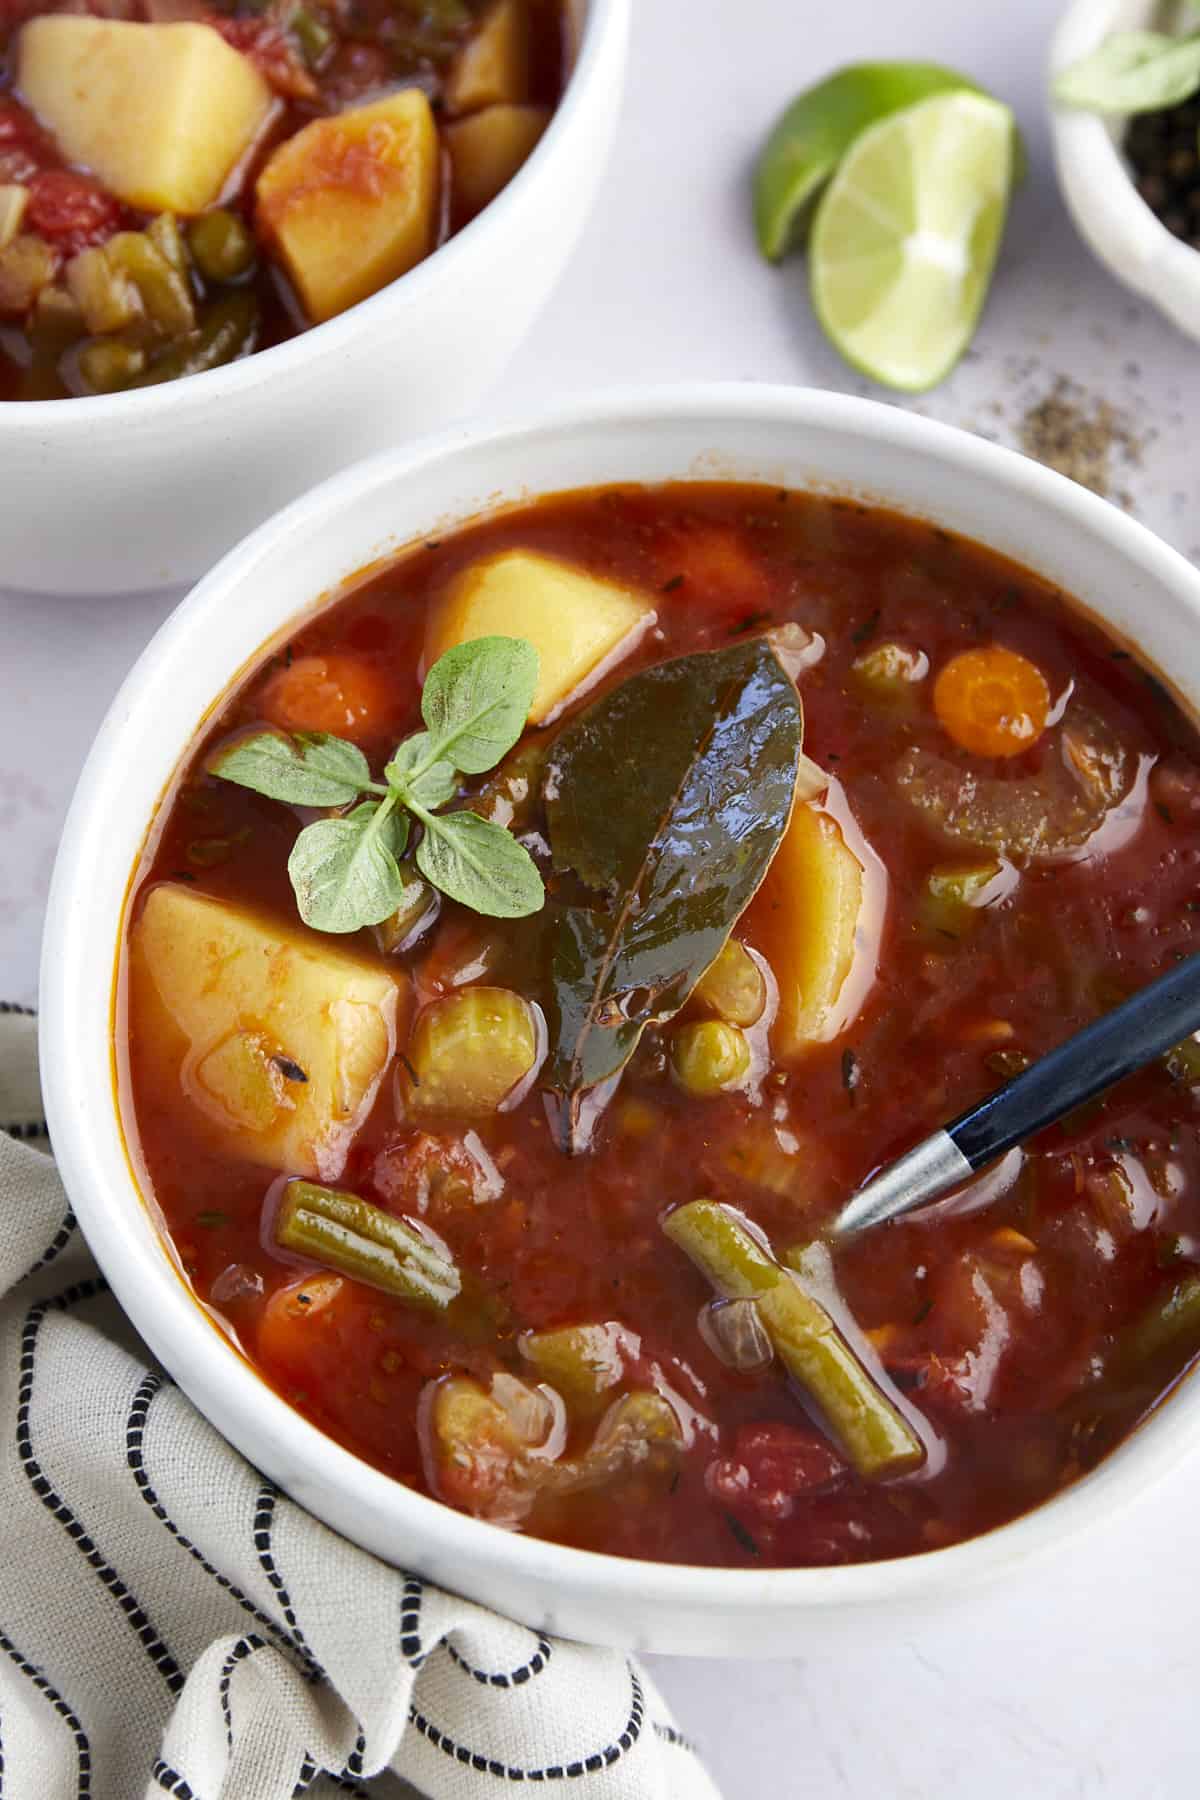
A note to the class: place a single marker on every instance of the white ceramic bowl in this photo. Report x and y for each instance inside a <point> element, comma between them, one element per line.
<point>1147,594</point>
<point>1110,214</point>
<point>127,492</point>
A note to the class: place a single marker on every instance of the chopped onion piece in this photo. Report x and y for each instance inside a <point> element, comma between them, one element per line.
<point>537,1415</point>
<point>735,1334</point>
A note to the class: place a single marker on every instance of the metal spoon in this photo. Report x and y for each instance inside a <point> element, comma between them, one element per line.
<point>1133,1034</point>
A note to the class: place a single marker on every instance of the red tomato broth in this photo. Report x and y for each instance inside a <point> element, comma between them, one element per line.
<point>1000,1361</point>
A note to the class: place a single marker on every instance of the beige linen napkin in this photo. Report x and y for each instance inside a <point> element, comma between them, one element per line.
<point>172,1625</point>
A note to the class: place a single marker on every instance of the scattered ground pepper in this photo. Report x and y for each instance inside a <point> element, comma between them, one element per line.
<point>1078,435</point>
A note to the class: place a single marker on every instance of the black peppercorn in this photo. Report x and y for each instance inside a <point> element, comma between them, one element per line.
<point>1164,153</point>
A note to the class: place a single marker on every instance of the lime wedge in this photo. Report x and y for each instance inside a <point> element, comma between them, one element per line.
<point>906,234</point>
<point>813,135</point>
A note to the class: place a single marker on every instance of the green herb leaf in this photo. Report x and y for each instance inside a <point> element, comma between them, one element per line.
<point>668,798</point>
<point>476,700</point>
<point>480,864</point>
<point>310,769</point>
<point>408,756</point>
<point>1132,72</point>
<point>433,786</point>
<point>345,872</point>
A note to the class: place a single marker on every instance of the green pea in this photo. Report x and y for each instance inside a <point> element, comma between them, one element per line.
<point>709,1056</point>
<point>222,245</point>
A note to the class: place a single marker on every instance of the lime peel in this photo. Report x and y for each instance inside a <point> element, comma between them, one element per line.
<point>906,235</point>
<point>811,137</point>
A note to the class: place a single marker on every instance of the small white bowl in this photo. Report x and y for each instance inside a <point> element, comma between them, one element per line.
<point>1094,177</point>
<point>127,492</point>
<point>1145,593</point>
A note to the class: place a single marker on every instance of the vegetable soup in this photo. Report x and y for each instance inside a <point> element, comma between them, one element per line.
<point>541,945</point>
<point>184,183</point>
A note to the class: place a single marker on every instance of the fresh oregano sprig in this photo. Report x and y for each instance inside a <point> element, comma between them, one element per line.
<point>346,870</point>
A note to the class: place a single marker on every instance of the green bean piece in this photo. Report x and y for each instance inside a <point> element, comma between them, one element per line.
<point>953,894</point>
<point>723,1249</point>
<point>166,294</point>
<point>354,1238</point>
<point>222,245</point>
<point>106,298</point>
<point>57,320</point>
<point>709,1057</point>
<point>1171,1322</point>
<point>735,988</point>
<point>106,364</point>
<point>168,240</point>
<point>312,34</point>
<point>227,330</point>
<point>583,1362</point>
<point>872,1433</point>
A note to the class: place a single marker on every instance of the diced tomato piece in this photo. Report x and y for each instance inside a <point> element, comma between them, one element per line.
<point>431,1175</point>
<point>24,146</point>
<point>271,52</point>
<point>714,562</point>
<point>71,210</point>
<point>772,1466</point>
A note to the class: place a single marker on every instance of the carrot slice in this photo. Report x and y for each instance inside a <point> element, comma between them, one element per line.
<point>992,701</point>
<point>297,1319</point>
<point>340,694</point>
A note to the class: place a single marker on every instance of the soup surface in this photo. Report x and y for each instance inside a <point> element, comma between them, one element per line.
<point>602,1312</point>
<point>185,181</point>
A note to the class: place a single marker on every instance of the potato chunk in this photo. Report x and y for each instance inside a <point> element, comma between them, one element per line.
<point>280,1039</point>
<point>487,149</point>
<point>806,919</point>
<point>159,113</point>
<point>493,67</point>
<point>350,202</point>
<point>574,620</point>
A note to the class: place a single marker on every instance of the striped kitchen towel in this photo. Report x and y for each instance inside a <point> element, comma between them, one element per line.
<point>172,1625</point>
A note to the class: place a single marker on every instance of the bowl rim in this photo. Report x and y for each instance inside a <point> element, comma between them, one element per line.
<point>603,22</point>
<point>1095,176</point>
<point>78,1080</point>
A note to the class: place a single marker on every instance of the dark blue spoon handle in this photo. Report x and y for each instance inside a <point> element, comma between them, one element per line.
<point>1155,1020</point>
<point>1133,1034</point>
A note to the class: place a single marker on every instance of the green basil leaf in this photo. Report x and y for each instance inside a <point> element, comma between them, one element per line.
<point>480,864</point>
<point>668,798</point>
<point>476,700</point>
<point>434,786</point>
<point>1131,72</point>
<point>310,769</point>
<point>345,872</point>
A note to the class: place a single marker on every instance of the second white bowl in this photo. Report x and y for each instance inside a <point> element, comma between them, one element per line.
<point>127,492</point>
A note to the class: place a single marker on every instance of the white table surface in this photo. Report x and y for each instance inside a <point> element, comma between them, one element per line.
<point>1080,1678</point>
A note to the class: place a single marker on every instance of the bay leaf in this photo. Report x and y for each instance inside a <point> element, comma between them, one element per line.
<point>667,800</point>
